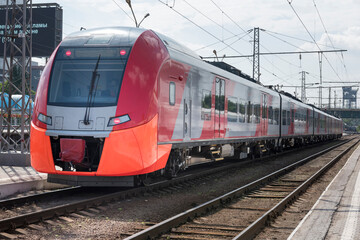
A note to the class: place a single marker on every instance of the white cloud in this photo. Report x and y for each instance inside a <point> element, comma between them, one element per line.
<point>350,39</point>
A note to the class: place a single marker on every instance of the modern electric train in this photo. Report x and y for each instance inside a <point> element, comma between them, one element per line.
<point>116,105</point>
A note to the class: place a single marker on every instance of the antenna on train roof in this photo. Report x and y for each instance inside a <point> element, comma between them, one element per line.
<point>223,58</point>
<point>216,55</point>
<point>132,11</point>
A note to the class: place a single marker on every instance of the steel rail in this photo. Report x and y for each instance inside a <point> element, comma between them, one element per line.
<point>26,219</point>
<point>9,203</point>
<point>164,226</point>
<point>252,230</point>
<point>30,218</point>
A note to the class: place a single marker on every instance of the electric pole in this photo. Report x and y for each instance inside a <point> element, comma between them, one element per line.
<point>303,86</point>
<point>256,56</point>
<point>329,97</point>
<point>320,86</point>
<point>17,59</point>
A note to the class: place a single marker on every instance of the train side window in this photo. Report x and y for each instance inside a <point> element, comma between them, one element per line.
<point>257,113</point>
<point>307,117</point>
<point>317,120</point>
<point>320,121</point>
<point>232,109</point>
<point>172,93</point>
<point>276,116</point>
<point>284,117</point>
<point>264,107</point>
<point>271,115</point>
<point>242,109</point>
<point>288,118</point>
<point>220,94</point>
<point>249,112</point>
<point>206,105</point>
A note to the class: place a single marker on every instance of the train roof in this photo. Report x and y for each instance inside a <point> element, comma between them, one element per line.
<point>111,36</point>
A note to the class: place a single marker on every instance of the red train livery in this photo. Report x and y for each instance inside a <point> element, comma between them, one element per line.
<point>116,105</point>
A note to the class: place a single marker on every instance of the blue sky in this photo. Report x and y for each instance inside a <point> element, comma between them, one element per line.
<point>215,22</point>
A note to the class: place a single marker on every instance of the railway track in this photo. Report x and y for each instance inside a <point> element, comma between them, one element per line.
<point>18,201</point>
<point>83,202</point>
<point>244,212</point>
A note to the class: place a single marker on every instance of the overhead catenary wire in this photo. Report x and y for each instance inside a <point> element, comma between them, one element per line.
<point>211,34</point>
<point>249,31</point>
<point>297,38</point>
<point>223,41</point>
<point>223,12</point>
<point>327,34</point>
<point>204,15</point>
<point>123,11</point>
<point>252,38</point>
<point>217,42</point>
<point>314,41</point>
<point>228,17</point>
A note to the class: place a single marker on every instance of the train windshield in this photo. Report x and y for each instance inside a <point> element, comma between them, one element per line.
<point>80,72</point>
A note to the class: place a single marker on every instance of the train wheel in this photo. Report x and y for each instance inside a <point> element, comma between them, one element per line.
<point>173,164</point>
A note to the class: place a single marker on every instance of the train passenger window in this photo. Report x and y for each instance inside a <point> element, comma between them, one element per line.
<point>283,117</point>
<point>288,118</point>
<point>232,109</point>
<point>172,93</point>
<point>321,122</point>
<point>257,113</point>
<point>271,115</point>
<point>276,116</point>
<point>307,117</point>
<point>264,107</point>
<point>206,105</point>
<point>220,94</point>
<point>242,109</point>
<point>249,112</point>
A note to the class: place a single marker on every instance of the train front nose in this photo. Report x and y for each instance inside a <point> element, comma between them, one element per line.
<point>131,151</point>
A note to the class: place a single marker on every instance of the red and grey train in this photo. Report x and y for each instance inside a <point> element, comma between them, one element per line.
<point>115,105</point>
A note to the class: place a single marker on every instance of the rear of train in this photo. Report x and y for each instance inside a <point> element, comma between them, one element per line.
<point>95,115</point>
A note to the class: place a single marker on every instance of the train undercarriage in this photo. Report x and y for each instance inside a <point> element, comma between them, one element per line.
<point>180,158</point>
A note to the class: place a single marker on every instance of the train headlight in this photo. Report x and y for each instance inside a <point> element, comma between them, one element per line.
<point>118,120</point>
<point>45,119</point>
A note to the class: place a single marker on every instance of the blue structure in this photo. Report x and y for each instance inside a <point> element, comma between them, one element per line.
<point>16,102</point>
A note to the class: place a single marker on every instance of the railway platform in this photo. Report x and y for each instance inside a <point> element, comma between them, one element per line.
<point>18,179</point>
<point>336,215</point>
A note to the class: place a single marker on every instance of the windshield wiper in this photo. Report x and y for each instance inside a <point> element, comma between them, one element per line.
<point>91,97</point>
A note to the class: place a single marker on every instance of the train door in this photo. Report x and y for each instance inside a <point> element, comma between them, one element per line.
<point>292,118</point>
<point>187,110</point>
<point>219,120</point>
<point>264,121</point>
